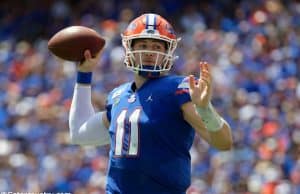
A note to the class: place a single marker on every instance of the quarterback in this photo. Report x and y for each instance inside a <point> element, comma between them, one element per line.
<point>150,122</point>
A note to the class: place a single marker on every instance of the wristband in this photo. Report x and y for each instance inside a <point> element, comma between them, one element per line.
<point>84,77</point>
<point>211,118</point>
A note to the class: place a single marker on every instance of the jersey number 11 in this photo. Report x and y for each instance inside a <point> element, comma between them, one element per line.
<point>133,133</point>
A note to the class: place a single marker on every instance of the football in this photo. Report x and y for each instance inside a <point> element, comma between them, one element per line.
<point>71,42</point>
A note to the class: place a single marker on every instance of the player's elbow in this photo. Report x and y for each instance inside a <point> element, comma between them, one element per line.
<point>74,139</point>
<point>224,145</point>
<point>82,140</point>
<point>73,133</point>
<point>224,141</point>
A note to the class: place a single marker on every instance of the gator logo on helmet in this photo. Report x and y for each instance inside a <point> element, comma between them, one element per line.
<point>132,26</point>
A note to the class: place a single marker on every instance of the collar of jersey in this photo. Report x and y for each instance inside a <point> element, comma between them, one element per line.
<point>132,86</point>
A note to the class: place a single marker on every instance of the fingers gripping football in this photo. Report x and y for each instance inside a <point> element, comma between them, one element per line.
<point>200,89</point>
<point>89,62</point>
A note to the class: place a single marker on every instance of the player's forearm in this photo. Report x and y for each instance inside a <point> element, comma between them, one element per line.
<point>221,139</point>
<point>191,116</point>
<point>86,127</point>
<point>218,128</point>
<point>217,136</point>
<point>81,106</point>
<point>81,109</point>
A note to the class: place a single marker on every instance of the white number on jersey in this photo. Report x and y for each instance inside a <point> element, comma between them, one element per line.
<point>134,133</point>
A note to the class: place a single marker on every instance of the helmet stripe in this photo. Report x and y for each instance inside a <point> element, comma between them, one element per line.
<point>151,22</point>
<point>147,21</point>
<point>154,21</point>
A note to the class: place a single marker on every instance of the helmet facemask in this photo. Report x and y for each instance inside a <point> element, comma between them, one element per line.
<point>163,60</point>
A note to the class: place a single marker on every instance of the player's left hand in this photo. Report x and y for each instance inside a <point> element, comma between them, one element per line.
<point>201,89</point>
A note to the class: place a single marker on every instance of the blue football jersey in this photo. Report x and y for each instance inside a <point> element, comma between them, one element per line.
<point>150,140</point>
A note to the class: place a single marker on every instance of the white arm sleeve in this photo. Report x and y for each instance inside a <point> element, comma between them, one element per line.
<point>86,127</point>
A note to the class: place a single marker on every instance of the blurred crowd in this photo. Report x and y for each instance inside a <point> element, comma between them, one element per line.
<point>254,49</point>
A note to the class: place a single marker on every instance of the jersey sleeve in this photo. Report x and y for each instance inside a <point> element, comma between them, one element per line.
<point>112,98</point>
<point>181,93</point>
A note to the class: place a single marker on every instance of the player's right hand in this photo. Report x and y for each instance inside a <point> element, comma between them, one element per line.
<point>89,62</point>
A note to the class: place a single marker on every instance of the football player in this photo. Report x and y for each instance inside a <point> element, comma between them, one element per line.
<point>150,122</point>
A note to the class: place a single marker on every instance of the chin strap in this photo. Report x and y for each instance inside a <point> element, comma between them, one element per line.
<point>149,74</point>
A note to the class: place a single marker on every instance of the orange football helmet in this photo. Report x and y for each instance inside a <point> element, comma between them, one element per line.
<point>149,26</point>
